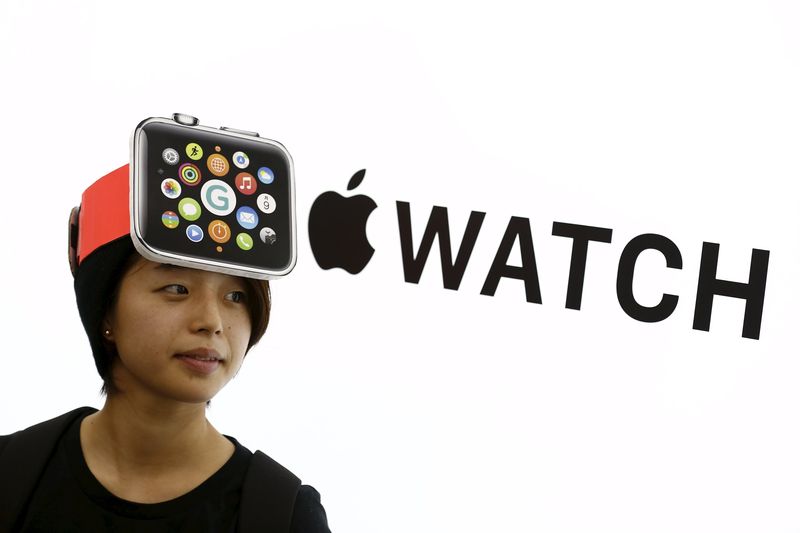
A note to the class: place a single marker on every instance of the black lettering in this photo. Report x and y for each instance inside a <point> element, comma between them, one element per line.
<point>517,228</point>
<point>438,224</point>
<point>752,292</point>
<point>581,236</point>
<point>627,264</point>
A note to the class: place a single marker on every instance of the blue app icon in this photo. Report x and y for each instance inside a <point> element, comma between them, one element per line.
<point>247,217</point>
<point>194,233</point>
<point>265,175</point>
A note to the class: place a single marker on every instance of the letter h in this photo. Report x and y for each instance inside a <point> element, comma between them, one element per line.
<point>752,292</point>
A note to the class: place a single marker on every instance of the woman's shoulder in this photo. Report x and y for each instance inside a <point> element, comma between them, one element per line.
<point>55,422</point>
<point>23,456</point>
<point>309,514</point>
<point>268,480</point>
<point>43,432</point>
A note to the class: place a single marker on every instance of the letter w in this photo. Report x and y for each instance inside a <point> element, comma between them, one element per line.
<point>437,225</point>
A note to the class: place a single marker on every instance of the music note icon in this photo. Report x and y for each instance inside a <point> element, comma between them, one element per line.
<point>244,182</point>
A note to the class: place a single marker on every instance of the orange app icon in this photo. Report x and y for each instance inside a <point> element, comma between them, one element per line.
<point>218,165</point>
<point>245,183</point>
<point>219,231</point>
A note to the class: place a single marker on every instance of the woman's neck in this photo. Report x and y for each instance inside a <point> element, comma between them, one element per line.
<point>147,438</point>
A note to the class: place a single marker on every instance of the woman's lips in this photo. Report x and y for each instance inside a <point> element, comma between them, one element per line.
<point>201,360</point>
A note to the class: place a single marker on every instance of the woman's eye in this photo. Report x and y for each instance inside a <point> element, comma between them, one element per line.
<point>176,289</point>
<point>237,296</point>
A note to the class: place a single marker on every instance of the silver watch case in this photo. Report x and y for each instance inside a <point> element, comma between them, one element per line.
<point>137,177</point>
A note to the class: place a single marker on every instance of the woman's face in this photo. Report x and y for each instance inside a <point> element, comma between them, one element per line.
<point>180,333</point>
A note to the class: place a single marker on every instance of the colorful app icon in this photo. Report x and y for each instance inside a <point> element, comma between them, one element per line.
<point>170,219</point>
<point>247,217</point>
<point>189,209</point>
<point>170,156</point>
<point>189,174</point>
<point>245,183</point>
<point>219,231</point>
<point>244,241</point>
<point>194,233</point>
<point>218,197</point>
<point>194,151</point>
<point>268,235</point>
<point>265,175</point>
<point>171,188</point>
<point>218,165</point>
<point>266,203</point>
<point>241,160</point>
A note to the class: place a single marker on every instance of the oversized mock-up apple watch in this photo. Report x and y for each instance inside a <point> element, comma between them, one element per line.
<point>195,196</point>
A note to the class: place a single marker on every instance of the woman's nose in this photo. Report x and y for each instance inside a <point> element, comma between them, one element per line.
<point>207,314</point>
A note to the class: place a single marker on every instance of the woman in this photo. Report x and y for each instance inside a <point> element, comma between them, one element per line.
<point>165,339</point>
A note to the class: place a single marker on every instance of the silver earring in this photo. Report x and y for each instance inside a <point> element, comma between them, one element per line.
<point>107,333</point>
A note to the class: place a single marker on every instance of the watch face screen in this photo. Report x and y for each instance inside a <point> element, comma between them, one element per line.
<point>216,198</point>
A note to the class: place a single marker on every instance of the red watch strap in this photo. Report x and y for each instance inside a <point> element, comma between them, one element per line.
<point>105,212</point>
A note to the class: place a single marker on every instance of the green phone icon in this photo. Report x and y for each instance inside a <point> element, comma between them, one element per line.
<point>244,241</point>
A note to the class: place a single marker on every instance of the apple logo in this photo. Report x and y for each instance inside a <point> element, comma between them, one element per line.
<point>337,228</point>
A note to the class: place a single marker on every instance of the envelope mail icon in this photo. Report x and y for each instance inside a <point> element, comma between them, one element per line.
<point>247,218</point>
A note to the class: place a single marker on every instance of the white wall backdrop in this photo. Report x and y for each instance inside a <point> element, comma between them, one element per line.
<point>411,407</point>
